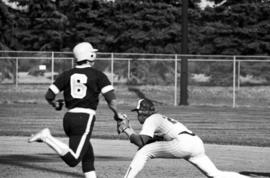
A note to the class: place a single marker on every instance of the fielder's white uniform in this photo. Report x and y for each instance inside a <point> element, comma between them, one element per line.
<point>180,143</point>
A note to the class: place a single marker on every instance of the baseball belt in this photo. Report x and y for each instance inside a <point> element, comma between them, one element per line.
<point>186,132</point>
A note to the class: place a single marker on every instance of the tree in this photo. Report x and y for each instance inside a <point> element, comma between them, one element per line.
<point>146,26</point>
<point>7,24</point>
<point>237,31</point>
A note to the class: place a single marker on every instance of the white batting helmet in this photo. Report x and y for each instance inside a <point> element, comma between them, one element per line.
<point>84,51</point>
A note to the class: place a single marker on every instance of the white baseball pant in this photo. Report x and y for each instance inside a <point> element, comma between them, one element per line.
<point>184,146</point>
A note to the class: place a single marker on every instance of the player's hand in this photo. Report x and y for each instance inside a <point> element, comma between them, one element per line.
<point>122,125</point>
<point>120,117</point>
<point>58,104</point>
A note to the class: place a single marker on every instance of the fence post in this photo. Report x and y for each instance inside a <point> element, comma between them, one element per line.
<point>112,67</point>
<point>72,63</point>
<point>175,81</point>
<point>52,70</point>
<point>128,69</point>
<point>238,82</point>
<point>16,72</point>
<point>234,79</point>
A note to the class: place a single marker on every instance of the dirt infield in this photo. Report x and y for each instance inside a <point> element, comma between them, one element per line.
<point>19,159</point>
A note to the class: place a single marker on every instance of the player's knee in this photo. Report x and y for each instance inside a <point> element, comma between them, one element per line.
<point>73,163</point>
<point>144,154</point>
<point>70,160</point>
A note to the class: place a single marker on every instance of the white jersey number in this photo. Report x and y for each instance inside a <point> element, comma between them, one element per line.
<point>77,84</point>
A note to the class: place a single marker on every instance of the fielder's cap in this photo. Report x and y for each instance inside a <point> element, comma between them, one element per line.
<point>144,104</point>
<point>84,51</point>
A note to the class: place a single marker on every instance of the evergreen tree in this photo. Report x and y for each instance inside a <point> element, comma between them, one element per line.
<point>146,26</point>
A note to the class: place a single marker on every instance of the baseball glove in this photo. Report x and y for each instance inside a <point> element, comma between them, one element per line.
<point>122,125</point>
<point>120,117</point>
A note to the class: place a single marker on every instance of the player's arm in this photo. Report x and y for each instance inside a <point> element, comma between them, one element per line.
<point>136,139</point>
<point>55,88</point>
<point>50,97</point>
<point>109,95</point>
<point>111,102</point>
<point>146,135</point>
<point>56,104</point>
<point>107,91</point>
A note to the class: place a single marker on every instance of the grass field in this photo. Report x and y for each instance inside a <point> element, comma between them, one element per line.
<point>23,110</point>
<point>237,138</point>
<point>214,124</point>
<point>256,96</point>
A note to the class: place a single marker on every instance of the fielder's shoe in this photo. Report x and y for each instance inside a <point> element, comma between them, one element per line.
<point>40,136</point>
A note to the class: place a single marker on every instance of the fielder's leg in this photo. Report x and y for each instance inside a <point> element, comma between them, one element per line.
<point>154,150</point>
<point>205,165</point>
<point>227,174</point>
<point>194,145</point>
<point>136,165</point>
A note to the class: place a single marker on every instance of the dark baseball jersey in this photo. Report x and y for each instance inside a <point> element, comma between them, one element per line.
<point>82,86</point>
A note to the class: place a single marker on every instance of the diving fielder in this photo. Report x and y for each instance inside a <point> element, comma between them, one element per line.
<point>164,137</point>
<point>81,87</point>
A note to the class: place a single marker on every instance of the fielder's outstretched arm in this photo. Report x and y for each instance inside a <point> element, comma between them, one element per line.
<point>139,140</point>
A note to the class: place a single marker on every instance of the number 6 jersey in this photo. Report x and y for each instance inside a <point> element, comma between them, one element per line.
<point>82,86</point>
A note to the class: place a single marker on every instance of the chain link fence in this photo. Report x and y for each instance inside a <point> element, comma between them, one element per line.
<point>213,80</point>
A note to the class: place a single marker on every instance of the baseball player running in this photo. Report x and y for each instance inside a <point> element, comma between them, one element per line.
<point>81,87</point>
<point>164,137</point>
